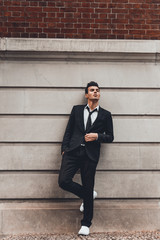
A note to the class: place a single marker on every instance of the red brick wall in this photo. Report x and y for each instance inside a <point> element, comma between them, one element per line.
<point>97,19</point>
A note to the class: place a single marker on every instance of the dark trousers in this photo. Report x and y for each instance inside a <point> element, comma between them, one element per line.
<point>71,162</point>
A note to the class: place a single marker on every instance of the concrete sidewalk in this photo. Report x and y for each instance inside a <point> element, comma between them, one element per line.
<point>144,235</point>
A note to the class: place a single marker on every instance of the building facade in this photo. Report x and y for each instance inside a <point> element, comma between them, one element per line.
<point>50,49</point>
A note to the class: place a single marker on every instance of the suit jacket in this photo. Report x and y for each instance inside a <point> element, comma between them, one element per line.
<point>75,132</point>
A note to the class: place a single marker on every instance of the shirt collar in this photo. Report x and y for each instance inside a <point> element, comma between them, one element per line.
<point>93,109</point>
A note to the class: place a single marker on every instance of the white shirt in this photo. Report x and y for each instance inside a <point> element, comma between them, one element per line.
<point>93,115</point>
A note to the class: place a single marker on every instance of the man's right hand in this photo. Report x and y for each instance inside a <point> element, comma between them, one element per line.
<point>89,137</point>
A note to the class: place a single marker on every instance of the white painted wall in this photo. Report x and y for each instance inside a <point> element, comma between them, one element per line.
<point>37,95</point>
<point>40,81</point>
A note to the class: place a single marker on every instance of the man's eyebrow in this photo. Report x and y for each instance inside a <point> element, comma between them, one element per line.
<point>94,88</point>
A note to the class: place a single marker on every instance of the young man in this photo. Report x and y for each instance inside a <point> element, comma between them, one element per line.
<point>88,126</point>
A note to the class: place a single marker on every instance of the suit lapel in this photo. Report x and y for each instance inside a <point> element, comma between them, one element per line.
<point>81,117</point>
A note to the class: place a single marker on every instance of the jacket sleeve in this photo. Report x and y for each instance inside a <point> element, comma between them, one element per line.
<point>107,136</point>
<point>68,131</point>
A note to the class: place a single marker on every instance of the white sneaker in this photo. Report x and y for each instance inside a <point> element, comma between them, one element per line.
<point>82,205</point>
<point>84,231</point>
<point>94,194</point>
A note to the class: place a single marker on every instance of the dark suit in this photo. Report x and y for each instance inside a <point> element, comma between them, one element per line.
<point>77,156</point>
<point>75,131</point>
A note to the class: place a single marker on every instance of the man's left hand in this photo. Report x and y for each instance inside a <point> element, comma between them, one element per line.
<point>89,137</point>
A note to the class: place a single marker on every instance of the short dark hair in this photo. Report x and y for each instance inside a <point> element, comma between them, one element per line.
<point>92,83</point>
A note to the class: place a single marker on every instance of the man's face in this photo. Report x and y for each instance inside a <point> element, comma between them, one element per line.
<point>93,93</point>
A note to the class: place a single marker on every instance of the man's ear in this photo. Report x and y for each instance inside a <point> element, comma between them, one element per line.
<point>86,95</point>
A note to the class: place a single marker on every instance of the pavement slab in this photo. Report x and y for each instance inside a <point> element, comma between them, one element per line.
<point>143,235</point>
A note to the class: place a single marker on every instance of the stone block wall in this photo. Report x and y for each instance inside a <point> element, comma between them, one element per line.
<point>40,81</point>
